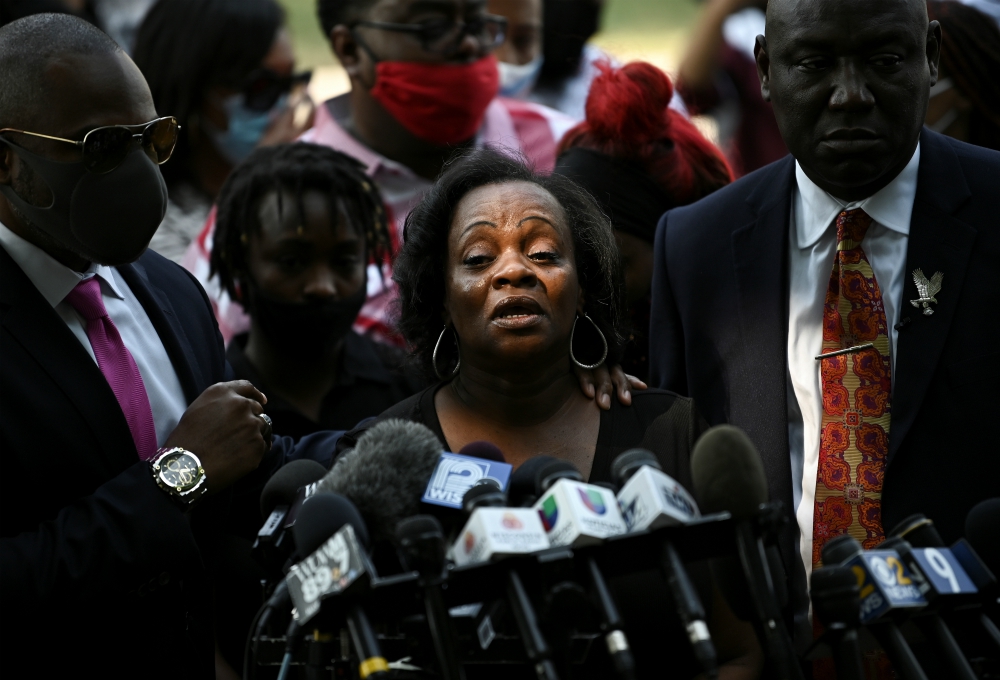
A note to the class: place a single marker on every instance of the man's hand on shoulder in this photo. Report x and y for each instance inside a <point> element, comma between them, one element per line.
<point>224,429</point>
<point>601,382</point>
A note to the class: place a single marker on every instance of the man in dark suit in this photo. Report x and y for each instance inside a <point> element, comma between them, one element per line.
<point>821,253</point>
<point>112,372</point>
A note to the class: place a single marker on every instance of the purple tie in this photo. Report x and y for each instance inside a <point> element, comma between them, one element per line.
<point>116,364</point>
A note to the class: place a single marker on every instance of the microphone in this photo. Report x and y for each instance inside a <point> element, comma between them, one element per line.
<point>573,513</point>
<point>331,527</point>
<point>399,469</point>
<point>952,577</point>
<point>728,476</point>
<point>384,475</point>
<point>484,450</point>
<point>982,530</point>
<point>275,541</point>
<point>837,604</point>
<point>495,531</point>
<point>887,591</point>
<point>649,498</point>
<point>333,537</point>
<point>422,549</point>
<point>279,496</point>
<point>933,627</point>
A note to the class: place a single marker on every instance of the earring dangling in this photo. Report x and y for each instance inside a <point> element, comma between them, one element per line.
<point>434,356</point>
<point>604,341</point>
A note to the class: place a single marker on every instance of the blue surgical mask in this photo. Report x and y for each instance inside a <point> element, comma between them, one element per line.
<point>516,80</point>
<point>246,127</point>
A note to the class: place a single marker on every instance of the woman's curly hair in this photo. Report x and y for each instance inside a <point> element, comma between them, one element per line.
<point>419,271</point>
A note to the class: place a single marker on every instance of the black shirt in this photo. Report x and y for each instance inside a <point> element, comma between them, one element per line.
<point>666,424</point>
<point>371,377</point>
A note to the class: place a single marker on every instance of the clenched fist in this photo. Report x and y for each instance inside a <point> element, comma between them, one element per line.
<point>224,429</point>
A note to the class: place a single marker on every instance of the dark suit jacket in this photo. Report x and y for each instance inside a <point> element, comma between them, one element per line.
<point>98,567</point>
<point>719,326</point>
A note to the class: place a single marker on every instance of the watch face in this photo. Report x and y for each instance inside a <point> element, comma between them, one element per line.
<point>179,470</point>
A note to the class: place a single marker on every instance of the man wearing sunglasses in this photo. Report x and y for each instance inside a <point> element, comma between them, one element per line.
<point>120,443</point>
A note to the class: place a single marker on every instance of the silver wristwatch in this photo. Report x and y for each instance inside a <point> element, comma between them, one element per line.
<point>179,472</point>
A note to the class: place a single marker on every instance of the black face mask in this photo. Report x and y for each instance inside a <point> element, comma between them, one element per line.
<point>568,25</point>
<point>108,218</point>
<point>308,330</point>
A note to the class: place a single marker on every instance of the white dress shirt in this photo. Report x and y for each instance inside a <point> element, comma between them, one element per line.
<point>812,245</point>
<point>55,281</point>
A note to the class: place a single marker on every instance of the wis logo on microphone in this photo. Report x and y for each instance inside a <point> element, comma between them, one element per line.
<point>457,474</point>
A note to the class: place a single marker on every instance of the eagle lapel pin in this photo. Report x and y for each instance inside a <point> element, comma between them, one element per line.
<point>927,289</point>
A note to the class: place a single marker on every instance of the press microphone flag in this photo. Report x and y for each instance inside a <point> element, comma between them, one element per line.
<point>577,514</point>
<point>492,533</point>
<point>455,474</point>
<point>649,498</point>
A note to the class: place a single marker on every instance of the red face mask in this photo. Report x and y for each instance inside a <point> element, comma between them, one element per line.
<point>441,103</point>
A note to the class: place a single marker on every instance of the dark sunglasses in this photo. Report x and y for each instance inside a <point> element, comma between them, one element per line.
<point>263,88</point>
<point>105,148</point>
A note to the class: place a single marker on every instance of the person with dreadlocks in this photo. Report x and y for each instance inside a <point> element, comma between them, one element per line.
<point>965,101</point>
<point>297,225</point>
<point>296,228</point>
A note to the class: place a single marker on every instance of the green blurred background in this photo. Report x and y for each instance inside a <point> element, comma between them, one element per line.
<point>654,30</point>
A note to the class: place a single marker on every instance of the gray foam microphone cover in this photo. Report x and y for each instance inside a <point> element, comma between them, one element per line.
<point>386,473</point>
<point>727,473</point>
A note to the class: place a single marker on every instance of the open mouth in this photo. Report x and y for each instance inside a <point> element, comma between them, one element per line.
<point>517,311</point>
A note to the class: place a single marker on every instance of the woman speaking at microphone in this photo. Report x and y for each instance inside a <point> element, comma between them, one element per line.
<point>508,280</point>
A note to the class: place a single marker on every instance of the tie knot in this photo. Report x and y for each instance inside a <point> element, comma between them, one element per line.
<point>86,299</point>
<point>851,228</point>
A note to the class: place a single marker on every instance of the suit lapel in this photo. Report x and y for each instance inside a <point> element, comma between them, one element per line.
<point>760,253</point>
<point>161,314</point>
<point>41,332</point>
<point>938,242</point>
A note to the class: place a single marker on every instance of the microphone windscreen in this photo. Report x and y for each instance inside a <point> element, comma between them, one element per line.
<point>286,482</point>
<point>521,488</point>
<point>386,473</point>
<point>552,472</point>
<point>839,549</point>
<point>322,515</point>
<point>835,596</point>
<point>727,473</point>
<point>629,462</point>
<point>919,531</point>
<point>484,450</point>
<point>982,531</point>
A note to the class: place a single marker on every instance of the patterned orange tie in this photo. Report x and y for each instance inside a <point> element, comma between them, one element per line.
<point>857,387</point>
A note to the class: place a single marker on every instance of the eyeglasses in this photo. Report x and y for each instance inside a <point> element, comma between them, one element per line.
<point>263,88</point>
<point>442,36</point>
<point>105,148</point>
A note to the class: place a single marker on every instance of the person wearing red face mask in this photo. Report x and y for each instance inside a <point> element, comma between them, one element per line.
<point>424,84</point>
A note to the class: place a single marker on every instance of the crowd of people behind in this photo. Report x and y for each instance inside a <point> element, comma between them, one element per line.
<point>470,238</point>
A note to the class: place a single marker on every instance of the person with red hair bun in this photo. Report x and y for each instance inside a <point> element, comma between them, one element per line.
<point>639,158</point>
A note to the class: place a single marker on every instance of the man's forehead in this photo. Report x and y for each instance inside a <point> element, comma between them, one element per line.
<point>842,21</point>
<point>80,92</point>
